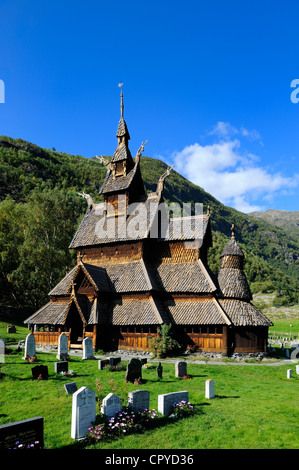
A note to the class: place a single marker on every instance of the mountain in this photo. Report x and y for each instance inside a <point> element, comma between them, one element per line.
<point>288,220</point>
<point>40,210</point>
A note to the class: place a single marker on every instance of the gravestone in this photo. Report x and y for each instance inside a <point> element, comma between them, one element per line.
<point>143,360</point>
<point>40,372</point>
<point>289,373</point>
<point>168,400</point>
<point>180,368</point>
<point>111,405</point>
<point>70,388</point>
<point>11,329</point>
<point>113,361</point>
<point>2,351</point>
<point>102,363</point>
<point>30,347</point>
<point>63,351</point>
<point>159,371</point>
<point>139,400</point>
<point>295,352</point>
<point>25,434</point>
<point>297,369</point>
<point>210,389</point>
<point>134,370</point>
<point>62,366</point>
<point>83,412</point>
<point>87,349</point>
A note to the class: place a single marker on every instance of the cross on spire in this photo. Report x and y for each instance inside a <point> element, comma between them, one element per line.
<point>121,100</point>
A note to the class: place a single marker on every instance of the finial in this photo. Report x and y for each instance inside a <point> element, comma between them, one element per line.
<point>121,100</point>
<point>73,293</point>
<point>233,230</point>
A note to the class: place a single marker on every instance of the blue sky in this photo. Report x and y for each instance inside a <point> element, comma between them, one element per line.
<point>207,83</point>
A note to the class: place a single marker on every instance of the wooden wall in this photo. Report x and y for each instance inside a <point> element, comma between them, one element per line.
<point>112,253</point>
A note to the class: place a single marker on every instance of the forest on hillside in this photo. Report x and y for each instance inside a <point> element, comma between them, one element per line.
<point>40,210</point>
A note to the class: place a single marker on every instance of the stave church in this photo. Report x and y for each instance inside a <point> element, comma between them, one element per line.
<point>138,268</point>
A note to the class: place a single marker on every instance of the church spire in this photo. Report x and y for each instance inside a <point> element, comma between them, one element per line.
<point>121,100</point>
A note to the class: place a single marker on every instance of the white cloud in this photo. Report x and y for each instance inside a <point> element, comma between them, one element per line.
<point>226,130</point>
<point>233,177</point>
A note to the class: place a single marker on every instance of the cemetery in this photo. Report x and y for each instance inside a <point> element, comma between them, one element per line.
<point>145,403</point>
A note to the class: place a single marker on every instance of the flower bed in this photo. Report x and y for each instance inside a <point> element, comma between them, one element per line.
<point>124,422</point>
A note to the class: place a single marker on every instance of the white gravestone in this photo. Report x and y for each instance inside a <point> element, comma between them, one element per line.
<point>139,400</point>
<point>297,369</point>
<point>2,351</point>
<point>210,389</point>
<point>83,412</point>
<point>63,350</point>
<point>87,349</point>
<point>111,405</point>
<point>30,346</point>
<point>289,373</point>
<point>168,400</point>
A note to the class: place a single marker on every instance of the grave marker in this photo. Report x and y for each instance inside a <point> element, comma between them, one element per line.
<point>289,373</point>
<point>2,351</point>
<point>11,329</point>
<point>159,371</point>
<point>70,388</point>
<point>83,412</point>
<point>102,363</point>
<point>134,370</point>
<point>40,372</point>
<point>180,368</point>
<point>30,347</point>
<point>210,389</point>
<point>297,369</point>
<point>168,400</point>
<point>111,405</point>
<point>87,349</point>
<point>25,434</point>
<point>62,366</point>
<point>113,361</point>
<point>139,400</point>
<point>63,351</point>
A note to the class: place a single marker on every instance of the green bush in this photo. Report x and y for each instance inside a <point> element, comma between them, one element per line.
<point>164,344</point>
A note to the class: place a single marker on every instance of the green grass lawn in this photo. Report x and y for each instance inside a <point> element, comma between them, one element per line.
<point>256,406</point>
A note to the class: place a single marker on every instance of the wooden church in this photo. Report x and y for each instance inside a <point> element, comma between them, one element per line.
<point>138,269</point>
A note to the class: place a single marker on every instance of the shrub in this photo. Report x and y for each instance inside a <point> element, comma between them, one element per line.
<point>164,344</point>
<point>183,409</point>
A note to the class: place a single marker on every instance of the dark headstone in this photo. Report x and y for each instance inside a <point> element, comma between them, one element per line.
<point>159,371</point>
<point>134,370</point>
<point>25,434</point>
<point>143,360</point>
<point>61,366</point>
<point>113,361</point>
<point>70,388</point>
<point>102,363</point>
<point>40,372</point>
<point>11,329</point>
<point>180,368</point>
